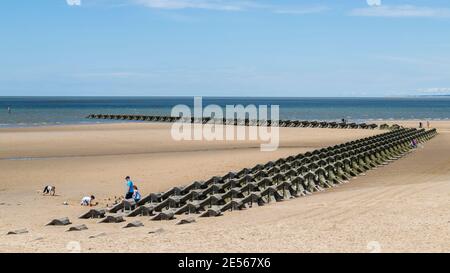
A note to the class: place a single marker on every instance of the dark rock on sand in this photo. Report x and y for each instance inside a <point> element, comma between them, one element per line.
<point>134,224</point>
<point>97,235</point>
<point>94,213</point>
<point>186,221</point>
<point>156,231</point>
<point>78,228</point>
<point>60,222</point>
<point>164,215</point>
<point>112,219</point>
<point>18,231</point>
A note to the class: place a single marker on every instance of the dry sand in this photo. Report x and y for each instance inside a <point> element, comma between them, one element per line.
<point>400,207</point>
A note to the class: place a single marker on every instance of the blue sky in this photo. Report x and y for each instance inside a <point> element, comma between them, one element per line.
<point>224,48</point>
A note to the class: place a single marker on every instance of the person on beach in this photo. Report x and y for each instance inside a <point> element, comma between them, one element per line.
<point>136,194</point>
<point>130,188</point>
<point>9,110</point>
<point>414,143</point>
<point>88,201</point>
<point>420,125</point>
<point>50,190</point>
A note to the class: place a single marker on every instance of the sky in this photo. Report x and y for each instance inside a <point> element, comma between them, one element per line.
<point>286,48</point>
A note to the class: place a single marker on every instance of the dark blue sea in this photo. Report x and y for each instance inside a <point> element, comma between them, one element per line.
<point>39,111</point>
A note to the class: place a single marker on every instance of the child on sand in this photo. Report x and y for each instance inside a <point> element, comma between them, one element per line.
<point>136,194</point>
<point>87,201</point>
<point>49,190</point>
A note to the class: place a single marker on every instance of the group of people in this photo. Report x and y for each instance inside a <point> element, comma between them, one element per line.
<point>85,201</point>
<point>132,192</point>
<point>421,124</point>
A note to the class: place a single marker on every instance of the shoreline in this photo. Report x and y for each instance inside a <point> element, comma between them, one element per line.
<point>99,122</point>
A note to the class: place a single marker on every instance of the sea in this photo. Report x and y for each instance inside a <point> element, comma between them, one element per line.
<point>49,111</point>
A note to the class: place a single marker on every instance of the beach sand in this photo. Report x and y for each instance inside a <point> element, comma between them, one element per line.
<point>400,207</point>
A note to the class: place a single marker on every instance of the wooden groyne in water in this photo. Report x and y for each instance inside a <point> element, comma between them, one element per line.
<point>240,122</point>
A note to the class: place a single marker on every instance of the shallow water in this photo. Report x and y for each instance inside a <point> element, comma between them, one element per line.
<point>39,111</point>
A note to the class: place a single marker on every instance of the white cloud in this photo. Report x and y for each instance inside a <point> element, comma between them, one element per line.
<point>113,75</point>
<point>227,5</point>
<point>192,4</point>
<point>306,10</point>
<point>402,11</point>
<point>435,91</point>
<point>73,2</point>
<point>373,3</point>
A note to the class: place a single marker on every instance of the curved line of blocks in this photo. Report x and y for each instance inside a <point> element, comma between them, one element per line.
<point>243,122</point>
<point>285,178</point>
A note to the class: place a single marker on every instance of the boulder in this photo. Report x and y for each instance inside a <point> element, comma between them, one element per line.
<point>164,215</point>
<point>97,235</point>
<point>112,219</point>
<point>134,224</point>
<point>78,228</point>
<point>17,231</point>
<point>186,221</point>
<point>94,213</point>
<point>156,231</point>
<point>211,212</point>
<point>60,222</point>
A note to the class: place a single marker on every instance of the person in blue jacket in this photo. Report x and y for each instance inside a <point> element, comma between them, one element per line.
<point>136,194</point>
<point>130,188</point>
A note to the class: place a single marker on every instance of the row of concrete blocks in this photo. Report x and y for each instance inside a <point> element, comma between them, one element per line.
<point>240,122</point>
<point>276,181</point>
<point>312,159</point>
<point>302,175</point>
<point>385,126</point>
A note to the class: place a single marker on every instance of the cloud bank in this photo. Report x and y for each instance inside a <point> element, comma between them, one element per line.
<point>227,5</point>
<point>435,91</point>
<point>191,4</point>
<point>402,11</point>
<point>73,2</point>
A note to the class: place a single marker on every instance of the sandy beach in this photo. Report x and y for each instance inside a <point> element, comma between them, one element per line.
<point>90,91</point>
<point>402,207</point>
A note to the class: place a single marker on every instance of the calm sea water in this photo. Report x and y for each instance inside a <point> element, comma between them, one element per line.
<point>38,111</point>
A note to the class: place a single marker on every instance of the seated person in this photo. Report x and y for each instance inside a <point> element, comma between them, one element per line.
<point>88,201</point>
<point>49,190</point>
